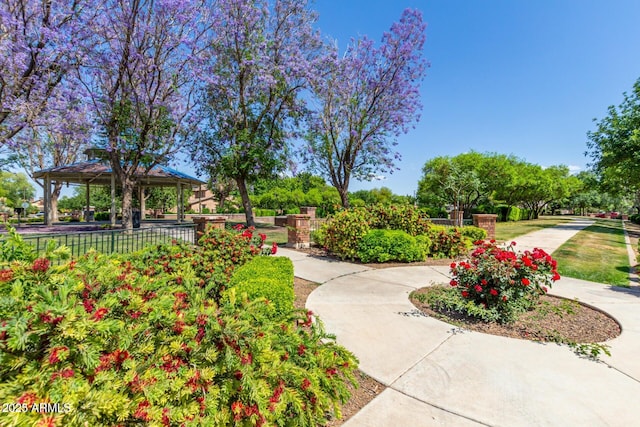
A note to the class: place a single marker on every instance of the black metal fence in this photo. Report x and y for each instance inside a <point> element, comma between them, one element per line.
<point>111,241</point>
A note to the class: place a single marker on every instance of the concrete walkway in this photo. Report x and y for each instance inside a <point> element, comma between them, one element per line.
<point>439,375</point>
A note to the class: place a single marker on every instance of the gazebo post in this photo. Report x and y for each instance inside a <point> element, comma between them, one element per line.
<point>88,204</point>
<point>47,200</point>
<point>142,202</point>
<point>179,201</point>
<point>112,216</point>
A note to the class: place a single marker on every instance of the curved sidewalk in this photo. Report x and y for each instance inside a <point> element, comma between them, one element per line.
<point>439,375</point>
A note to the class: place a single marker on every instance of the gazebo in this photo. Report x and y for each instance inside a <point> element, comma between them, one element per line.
<point>97,171</point>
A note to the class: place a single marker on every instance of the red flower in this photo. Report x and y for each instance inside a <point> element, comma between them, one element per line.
<point>238,227</point>
<point>301,349</point>
<point>263,237</point>
<point>100,313</point>
<point>236,408</point>
<point>54,356</point>
<point>483,282</point>
<point>513,243</point>
<point>453,265</point>
<point>27,398</point>
<point>504,298</point>
<point>556,276</point>
<point>493,292</point>
<point>274,248</point>
<point>141,411</point>
<point>453,283</point>
<point>6,275</point>
<point>40,264</point>
<point>526,281</point>
<point>306,384</point>
<point>465,294</point>
<point>66,373</point>
<point>478,288</point>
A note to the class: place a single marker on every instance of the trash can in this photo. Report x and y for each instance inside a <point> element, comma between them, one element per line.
<point>89,216</point>
<point>135,216</point>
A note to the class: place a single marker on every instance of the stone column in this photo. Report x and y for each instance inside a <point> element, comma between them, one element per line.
<point>298,231</point>
<point>202,222</point>
<point>308,210</point>
<point>486,222</point>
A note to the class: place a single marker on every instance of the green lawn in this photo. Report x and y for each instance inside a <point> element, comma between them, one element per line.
<point>273,233</point>
<point>597,253</point>
<point>509,230</point>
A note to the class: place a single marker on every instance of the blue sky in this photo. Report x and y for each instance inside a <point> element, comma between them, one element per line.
<point>510,76</point>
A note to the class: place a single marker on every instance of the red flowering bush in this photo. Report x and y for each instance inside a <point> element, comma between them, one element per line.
<point>500,282</point>
<point>138,340</point>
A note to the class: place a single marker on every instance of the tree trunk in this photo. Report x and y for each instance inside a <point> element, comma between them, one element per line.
<point>55,194</point>
<point>246,202</point>
<point>127,203</point>
<point>344,197</point>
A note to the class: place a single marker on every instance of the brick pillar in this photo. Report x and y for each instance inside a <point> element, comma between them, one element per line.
<point>456,217</point>
<point>308,210</point>
<point>487,222</point>
<point>298,231</point>
<point>202,222</point>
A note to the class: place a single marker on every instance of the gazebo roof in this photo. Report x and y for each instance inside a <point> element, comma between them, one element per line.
<point>98,172</point>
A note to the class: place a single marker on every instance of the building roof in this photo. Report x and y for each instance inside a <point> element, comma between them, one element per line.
<point>98,172</point>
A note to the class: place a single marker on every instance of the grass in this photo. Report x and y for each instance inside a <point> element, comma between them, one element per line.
<point>274,234</point>
<point>509,230</point>
<point>597,253</point>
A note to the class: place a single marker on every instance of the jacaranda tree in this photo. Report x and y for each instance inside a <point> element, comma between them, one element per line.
<point>260,57</point>
<point>365,99</point>
<point>140,78</point>
<point>40,44</point>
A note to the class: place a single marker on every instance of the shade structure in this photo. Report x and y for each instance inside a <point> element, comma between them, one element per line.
<point>99,172</point>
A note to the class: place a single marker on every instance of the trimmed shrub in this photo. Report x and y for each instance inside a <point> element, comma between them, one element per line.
<point>120,342</point>
<point>264,212</point>
<point>341,234</point>
<point>266,277</point>
<point>102,216</point>
<point>230,249</point>
<point>292,211</point>
<point>390,245</point>
<point>401,217</point>
<point>635,218</point>
<point>344,230</point>
<point>448,242</point>
<point>474,233</point>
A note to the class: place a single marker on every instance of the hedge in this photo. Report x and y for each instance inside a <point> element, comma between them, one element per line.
<point>266,277</point>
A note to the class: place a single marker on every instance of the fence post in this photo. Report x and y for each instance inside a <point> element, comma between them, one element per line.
<point>298,231</point>
<point>487,222</point>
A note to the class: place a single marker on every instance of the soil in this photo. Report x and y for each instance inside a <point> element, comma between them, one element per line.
<point>553,318</point>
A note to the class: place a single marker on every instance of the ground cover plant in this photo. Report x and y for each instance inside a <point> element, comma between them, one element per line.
<point>597,253</point>
<point>158,338</point>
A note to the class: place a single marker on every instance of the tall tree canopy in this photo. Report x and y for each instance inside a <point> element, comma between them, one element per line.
<point>140,78</point>
<point>40,43</point>
<point>464,181</point>
<point>364,100</point>
<point>615,145</point>
<point>261,55</point>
